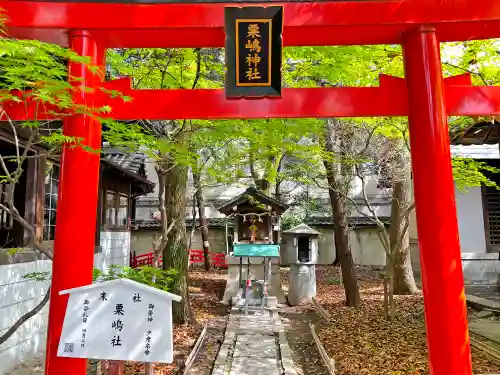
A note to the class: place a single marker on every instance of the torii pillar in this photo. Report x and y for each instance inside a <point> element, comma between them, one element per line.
<point>440,258</point>
<point>74,243</point>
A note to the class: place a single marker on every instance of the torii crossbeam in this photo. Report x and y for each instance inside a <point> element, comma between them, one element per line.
<point>89,27</point>
<point>389,99</point>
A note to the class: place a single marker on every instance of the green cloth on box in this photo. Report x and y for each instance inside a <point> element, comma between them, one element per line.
<point>256,250</point>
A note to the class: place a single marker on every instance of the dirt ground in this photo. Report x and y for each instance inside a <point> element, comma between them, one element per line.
<point>363,343</point>
<point>206,291</point>
<point>305,354</point>
<point>360,341</point>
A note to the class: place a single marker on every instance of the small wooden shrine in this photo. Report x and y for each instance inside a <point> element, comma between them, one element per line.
<point>253,261</point>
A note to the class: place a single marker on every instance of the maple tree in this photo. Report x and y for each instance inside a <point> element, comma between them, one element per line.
<point>243,150</point>
<point>33,71</point>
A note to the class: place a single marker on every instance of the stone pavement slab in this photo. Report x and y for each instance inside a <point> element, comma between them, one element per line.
<point>254,366</point>
<point>488,329</point>
<point>251,346</point>
<point>257,346</point>
<point>482,302</point>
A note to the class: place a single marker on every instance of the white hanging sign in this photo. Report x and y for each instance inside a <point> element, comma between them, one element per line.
<point>118,320</point>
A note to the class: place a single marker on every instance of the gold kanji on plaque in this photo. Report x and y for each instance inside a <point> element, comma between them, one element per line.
<point>253,45</point>
<point>253,60</point>
<point>253,31</point>
<point>253,74</point>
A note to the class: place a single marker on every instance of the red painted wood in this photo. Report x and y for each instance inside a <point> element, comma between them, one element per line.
<point>390,99</point>
<point>196,257</point>
<point>74,243</point>
<point>440,257</point>
<point>305,23</point>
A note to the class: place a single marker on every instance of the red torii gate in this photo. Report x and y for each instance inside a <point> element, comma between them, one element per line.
<point>419,25</point>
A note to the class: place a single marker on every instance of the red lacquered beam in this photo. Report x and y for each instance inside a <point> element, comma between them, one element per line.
<point>202,25</point>
<point>390,99</point>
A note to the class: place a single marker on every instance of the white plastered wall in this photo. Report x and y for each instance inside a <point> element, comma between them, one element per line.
<point>18,296</point>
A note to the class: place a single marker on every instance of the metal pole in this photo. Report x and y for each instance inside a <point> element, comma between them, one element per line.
<point>227,240</point>
<point>440,258</point>
<point>248,285</point>
<point>76,206</point>
<point>269,278</point>
<point>264,298</point>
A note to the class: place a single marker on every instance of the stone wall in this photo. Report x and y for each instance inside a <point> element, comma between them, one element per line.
<point>142,240</point>
<point>366,247</point>
<point>365,244</point>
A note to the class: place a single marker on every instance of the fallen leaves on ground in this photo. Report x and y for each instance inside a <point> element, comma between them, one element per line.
<point>206,290</point>
<point>362,342</point>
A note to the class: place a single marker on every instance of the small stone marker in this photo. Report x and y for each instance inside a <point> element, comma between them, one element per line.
<point>118,320</point>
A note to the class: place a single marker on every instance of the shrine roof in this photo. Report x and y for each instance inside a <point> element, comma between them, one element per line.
<point>126,282</point>
<point>481,133</point>
<point>132,164</point>
<point>302,229</point>
<point>133,161</point>
<point>260,197</point>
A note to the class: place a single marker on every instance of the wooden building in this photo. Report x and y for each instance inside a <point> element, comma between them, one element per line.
<point>478,207</point>
<point>122,179</point>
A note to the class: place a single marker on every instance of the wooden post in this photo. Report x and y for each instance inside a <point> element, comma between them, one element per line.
<point>440,258</point>
<point>148,368</point>
<point>113,367</point>
<point>74,243</point>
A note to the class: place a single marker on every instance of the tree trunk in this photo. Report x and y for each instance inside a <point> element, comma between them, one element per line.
<point>203,219</point>
<point>340,223</point>
<point>175,254</point>
<point>341,235</point>
<point>404,281</point>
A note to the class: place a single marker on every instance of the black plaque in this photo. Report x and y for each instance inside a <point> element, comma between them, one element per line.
<point>253,51</point>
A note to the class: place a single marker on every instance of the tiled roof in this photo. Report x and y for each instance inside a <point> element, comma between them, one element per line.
<point>132,164</point>
<point>257,195</point>
<point>154,224</point>
<point>133,161</point>
<point>221,222</point>
<point>359,221</point>
<point>481,133</point>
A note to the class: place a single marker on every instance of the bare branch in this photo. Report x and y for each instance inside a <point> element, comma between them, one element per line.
<point>25,317</point>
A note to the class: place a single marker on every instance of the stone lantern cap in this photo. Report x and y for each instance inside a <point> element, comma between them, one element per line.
<point>302,229</point>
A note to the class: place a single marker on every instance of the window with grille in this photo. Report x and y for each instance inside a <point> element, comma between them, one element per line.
<point>117,210</point>
<point>491,205</point>
<point>6,220</point>
<point>49,211</point>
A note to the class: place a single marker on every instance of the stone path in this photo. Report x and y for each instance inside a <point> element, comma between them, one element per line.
<point>482,303</point>
<point>254,345</point>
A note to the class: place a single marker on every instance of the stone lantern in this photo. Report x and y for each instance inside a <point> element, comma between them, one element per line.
<point>300,247</point>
